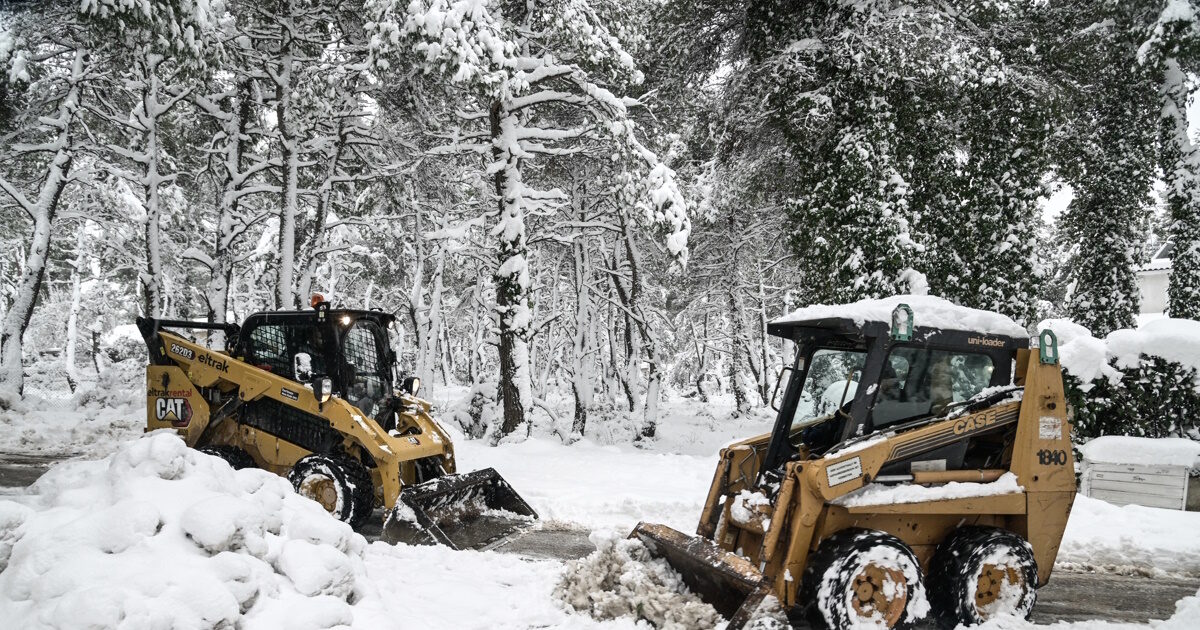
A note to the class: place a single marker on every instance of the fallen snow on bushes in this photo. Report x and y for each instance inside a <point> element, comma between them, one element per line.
<point>1087,358</point>
<point>161,536</point>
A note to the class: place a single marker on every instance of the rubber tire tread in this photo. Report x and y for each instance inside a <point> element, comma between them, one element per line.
<point>353,481</point>
<point>951,564</point>
<point>839,545</point>
<point>234,456</point>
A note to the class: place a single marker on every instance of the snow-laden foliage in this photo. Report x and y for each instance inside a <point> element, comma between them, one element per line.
<point>1141,382</point>
<point>523,184</point>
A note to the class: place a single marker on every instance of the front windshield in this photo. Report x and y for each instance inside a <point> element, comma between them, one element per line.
<point>831,382</point>
<point>918,382</point>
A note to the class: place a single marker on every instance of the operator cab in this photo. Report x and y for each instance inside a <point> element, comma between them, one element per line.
<point>349,346</point>
<point>865,368</point>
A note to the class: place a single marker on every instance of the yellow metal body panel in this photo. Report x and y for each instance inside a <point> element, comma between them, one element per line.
<point>198,368</point>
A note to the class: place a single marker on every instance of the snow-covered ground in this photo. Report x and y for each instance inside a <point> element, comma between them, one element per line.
<point>158,533</point>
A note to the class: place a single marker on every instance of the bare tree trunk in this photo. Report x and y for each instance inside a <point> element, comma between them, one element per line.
<point>736,353</point>
<point>582,378</point>
<point>42,211</point>
<point>73,318</point>
<point>512,274</point>
<point>285,290</point>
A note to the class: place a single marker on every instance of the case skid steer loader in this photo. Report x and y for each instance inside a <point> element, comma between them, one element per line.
<point>905,460</point>
<point>311,395</point>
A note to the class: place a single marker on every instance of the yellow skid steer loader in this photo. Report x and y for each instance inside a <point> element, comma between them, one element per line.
<point>313,395</point>
<point>905,460</point>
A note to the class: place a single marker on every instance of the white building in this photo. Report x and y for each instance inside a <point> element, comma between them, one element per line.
<point>1152,281</point>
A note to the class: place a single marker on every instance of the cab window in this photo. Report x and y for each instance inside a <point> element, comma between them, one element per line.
<point>918,382</point>
<point>273,347</point>
<point>366,382</point>
<point>830,383</point>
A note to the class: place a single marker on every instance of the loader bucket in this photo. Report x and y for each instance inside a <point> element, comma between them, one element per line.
<point>475,510</point>
<point>722,579</point>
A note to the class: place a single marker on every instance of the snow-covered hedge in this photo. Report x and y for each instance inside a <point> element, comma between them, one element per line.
<point>1141,382</point>
<point>159,535</point>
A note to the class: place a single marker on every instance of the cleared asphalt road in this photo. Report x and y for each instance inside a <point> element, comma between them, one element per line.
<point>1068,596</point>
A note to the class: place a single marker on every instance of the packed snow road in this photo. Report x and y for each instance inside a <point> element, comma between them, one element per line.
<point>1071,595</point>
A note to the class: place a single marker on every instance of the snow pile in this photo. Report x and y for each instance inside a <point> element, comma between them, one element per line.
<point>881,494</point>
<point>1088,358</point>
<point>57,428</point>
<point>928,311</point>
<point>159,535</point>
<point>622,580</point>
<point>1117,449</point>
<point>1130,539</point>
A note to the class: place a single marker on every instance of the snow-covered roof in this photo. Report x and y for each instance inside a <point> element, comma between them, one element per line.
<point>1120,449</point>
<point>928,312</point>
<point>1161,260</point>
<point>1158,264</point>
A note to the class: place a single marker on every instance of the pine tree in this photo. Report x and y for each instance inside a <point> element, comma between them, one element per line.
<point>1106,153</point>
<point>1173,50</point>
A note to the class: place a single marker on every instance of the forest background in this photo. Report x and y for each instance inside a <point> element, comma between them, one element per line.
<point>581,204</point>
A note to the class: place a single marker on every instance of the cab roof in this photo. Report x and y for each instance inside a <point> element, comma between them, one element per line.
<point>381,317</point>
<point>930,314</point>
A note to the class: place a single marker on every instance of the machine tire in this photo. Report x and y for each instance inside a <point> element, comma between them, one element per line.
<point>340,484</point>
<point>960,564</point>
<point>846,567</point>
<point>234,456</point>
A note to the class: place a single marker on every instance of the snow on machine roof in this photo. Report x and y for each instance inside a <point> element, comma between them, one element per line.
<point>929,312</point>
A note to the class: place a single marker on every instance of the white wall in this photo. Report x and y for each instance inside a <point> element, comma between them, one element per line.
<point>1153,288</point>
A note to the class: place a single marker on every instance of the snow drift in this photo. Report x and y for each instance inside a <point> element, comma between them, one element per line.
<point>161,536</point>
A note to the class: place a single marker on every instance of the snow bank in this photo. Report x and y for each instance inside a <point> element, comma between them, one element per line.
<point>928,311</point>
<point>159,535</point>
<point>1131,539</point>
<point>880,494</point>
<point>1118,449</point>
<point>622,580</point>
<point>63,428</point>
